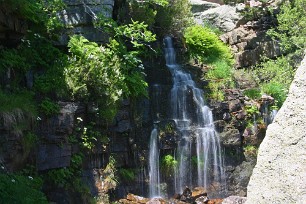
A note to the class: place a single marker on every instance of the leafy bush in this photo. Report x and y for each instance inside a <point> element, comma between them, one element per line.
<point>21,189</point>
<point>38,55</point>
<point>49,108</point>
<point>251,110</point>
<point>274,77</point>
<point>250,150</point>
<point>252,93</point>
<point>277,90</point>
<point>205,46</point>
<point>221,77</point>
<point>41,13</point>
<point>22,100</point>
<point>67,177</point>
<point>291,29</point>
<point>168,164</point>
<point>174,17</point>
<point>108,73</point>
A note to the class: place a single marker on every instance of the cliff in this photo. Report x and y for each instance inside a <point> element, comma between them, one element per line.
<point>279,175</point>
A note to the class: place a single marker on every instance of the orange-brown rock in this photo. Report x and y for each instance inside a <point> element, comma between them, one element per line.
<point>215,201</point>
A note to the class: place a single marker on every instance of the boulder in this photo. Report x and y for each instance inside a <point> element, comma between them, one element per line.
<point>225,17</point>
<point>200,6</point>
<point>281,157</point>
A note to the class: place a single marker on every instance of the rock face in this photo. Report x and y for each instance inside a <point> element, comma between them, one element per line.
<point>279,175</point>
<point>224,17</point>
<point>248,44</point>
<point>55,151</point>
<point>78,18</point>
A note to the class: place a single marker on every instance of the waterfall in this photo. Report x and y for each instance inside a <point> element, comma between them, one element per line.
<point>154,182</point>
<point>194,121</point>
<point>273,115</point>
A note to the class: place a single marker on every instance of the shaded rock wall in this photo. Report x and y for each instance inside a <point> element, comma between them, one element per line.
<point>279,175</point>
<point>12,27</point>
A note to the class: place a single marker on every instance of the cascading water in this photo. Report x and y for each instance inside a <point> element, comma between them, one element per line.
<point>194,121</point>
<point>273,115</point>
<point>154,182</point>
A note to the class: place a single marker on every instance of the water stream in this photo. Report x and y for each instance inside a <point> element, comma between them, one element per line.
<point>154,177</point>
<point>199,143</point>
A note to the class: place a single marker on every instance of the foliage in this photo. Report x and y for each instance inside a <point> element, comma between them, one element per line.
<point>49,108</point>
<point>21,189</point>
<point>250,150</point>
<point>252,93</point>
<point>22,100</point>
<point>291,29</point>
<point>145,11</point>
<point>168,164</point>
<point>277,90</point>
<point>110,174</point>
<point>251,110</point>
<point>111,72</point>
<point>174,18</point>
<point>90,135</point>
<point>275,77</point>
<point>35,54</point>
<point>41,13</point>
<point>67,177</point>
<point>255,12</point>
<point>205,46</point>
<point>221,77</point>
<point>127,174</point>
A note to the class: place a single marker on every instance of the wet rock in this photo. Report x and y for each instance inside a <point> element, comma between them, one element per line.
<point>230,137</point>
<point>219,125</point>
<point>234,105</point>
<point>234,200</point>
<point>227,116</point>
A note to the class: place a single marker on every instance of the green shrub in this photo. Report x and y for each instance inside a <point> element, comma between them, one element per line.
<point>21,189</point>
<point>205,46</point>
<point>277,90</point>
<point>67,177</point>
<point>173,18</point>
<point>274,77</point>
<point>220,77</point>
<point>250,150</point>
<point>49,108</point>
<point>252,93</point>
<point>219,70</point>
<point>291,29</point>
<point>251,110</point>
<point>22,100</point>
<point>168,164</point>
